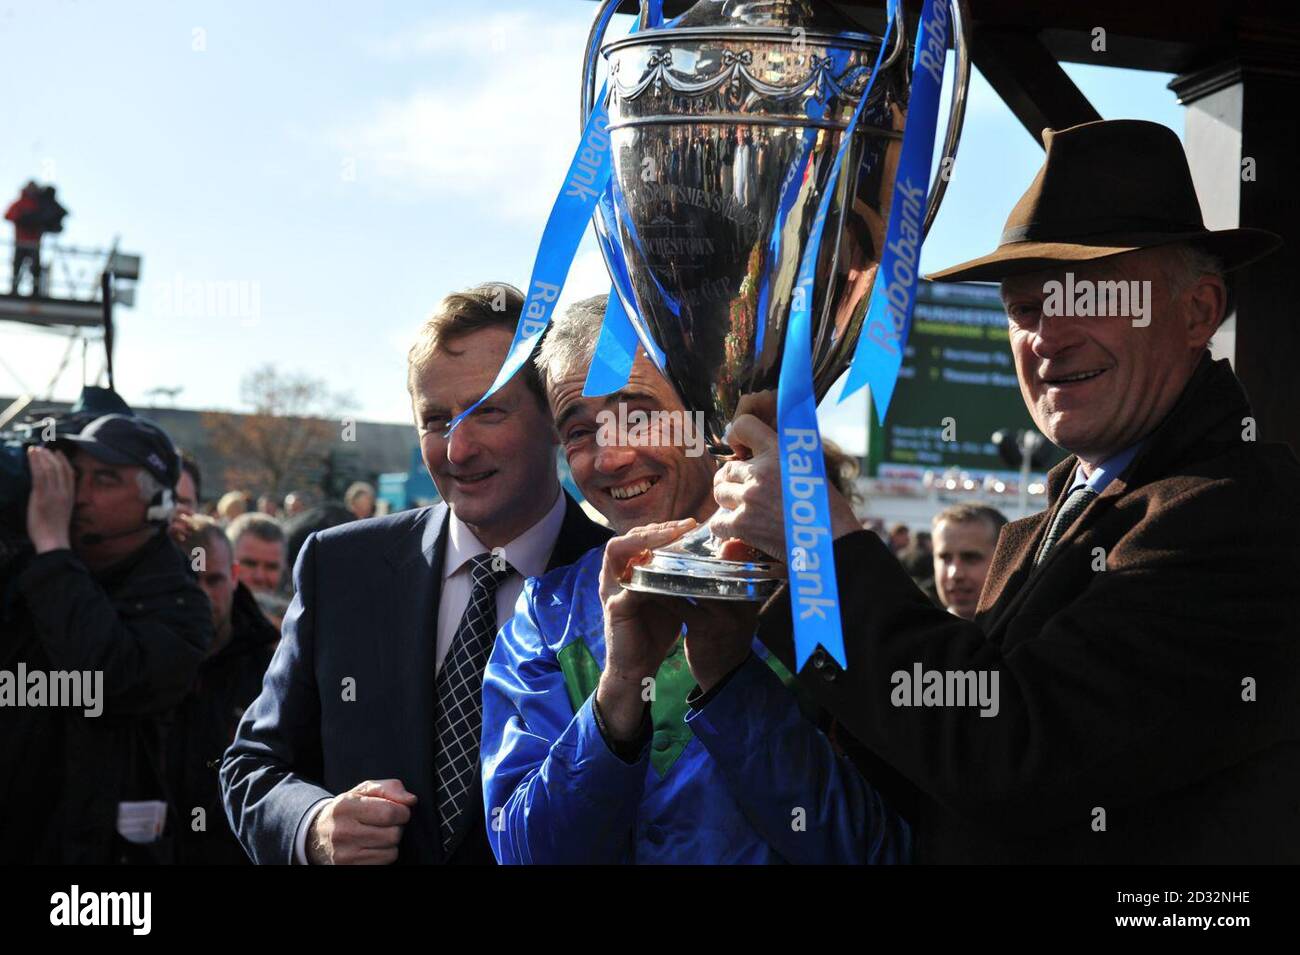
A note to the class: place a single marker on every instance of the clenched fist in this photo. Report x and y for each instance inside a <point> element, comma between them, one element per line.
<point>362,826</point>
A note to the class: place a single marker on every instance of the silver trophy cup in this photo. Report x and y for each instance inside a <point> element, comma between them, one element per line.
<point>706,120</point>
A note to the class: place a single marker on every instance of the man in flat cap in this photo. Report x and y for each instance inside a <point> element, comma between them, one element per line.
<point>1129,690</point>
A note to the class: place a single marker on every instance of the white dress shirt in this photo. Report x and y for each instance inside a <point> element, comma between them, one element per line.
<point>528,554</point>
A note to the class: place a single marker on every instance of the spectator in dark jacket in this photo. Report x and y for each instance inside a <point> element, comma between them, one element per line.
<point>966,535</point>
<point>106,606</point>
<point>229,680</point>
<point>258,542</point>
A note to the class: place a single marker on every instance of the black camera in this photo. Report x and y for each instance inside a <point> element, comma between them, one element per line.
<point>38,427</point>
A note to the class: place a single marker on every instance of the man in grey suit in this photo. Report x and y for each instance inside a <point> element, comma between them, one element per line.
<point>363,745</point>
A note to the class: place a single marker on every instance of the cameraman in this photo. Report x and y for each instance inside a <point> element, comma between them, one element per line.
<point>107,597</point>
<point>25,214</point>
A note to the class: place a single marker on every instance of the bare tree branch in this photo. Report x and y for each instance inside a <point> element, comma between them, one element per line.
<point>282,443</point>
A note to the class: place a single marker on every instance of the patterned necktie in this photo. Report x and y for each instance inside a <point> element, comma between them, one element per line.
<point>458,718</point>
<point>1075,503</point>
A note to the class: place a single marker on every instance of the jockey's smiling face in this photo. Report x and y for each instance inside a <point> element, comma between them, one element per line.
<point>631,482</point>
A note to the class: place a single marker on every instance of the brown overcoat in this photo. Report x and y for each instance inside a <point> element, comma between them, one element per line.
<point>1148,671</point>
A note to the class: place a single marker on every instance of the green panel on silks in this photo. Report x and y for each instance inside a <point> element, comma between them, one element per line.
<point>673,683</point>
<point>668,711</point>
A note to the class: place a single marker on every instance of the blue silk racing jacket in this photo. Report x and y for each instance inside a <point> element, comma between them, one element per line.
<point>746,779</point>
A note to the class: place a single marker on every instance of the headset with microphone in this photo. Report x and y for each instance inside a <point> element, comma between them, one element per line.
<point>161,507</point>
<point>125,439</point>
<point>159,514</point>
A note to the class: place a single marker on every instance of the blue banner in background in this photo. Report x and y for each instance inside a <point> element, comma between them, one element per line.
<point>879,353</point>
<point>810,556</point>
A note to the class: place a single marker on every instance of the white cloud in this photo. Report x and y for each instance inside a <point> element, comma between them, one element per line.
<point>499,129</point>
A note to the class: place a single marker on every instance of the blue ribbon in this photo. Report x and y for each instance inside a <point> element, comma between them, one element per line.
<point>879,353</point>
<point>789,192</point>
<point>587,187</point>
<point>611,361</point>
<point>615,351</point>
<point>583,186</point>
<point>810,556</point>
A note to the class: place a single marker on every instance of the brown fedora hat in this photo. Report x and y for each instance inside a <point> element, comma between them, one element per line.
<point>1106,188</point>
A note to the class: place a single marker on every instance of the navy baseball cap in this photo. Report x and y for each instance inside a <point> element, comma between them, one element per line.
<point>130,441</point>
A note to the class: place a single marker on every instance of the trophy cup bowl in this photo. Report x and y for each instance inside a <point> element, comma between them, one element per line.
<point>706,121</point>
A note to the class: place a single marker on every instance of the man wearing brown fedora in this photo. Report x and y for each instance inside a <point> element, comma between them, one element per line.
<point>1129,690</point>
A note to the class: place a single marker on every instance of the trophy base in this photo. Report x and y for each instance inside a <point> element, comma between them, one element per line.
<point>690,567</point>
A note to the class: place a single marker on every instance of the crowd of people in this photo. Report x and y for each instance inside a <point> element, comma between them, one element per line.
<point>1112,680</point>
<point>176,603</point>
<point>265,533</point>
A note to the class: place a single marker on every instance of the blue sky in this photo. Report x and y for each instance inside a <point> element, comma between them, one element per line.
<point>350,163</point>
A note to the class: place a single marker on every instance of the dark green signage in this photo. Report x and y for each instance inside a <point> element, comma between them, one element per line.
<point>956,387</point>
